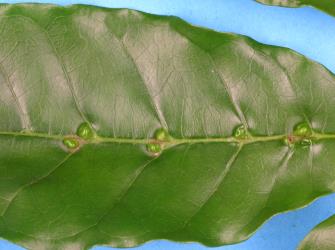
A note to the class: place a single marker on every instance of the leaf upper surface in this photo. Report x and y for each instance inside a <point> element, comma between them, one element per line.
<point>126,74</point>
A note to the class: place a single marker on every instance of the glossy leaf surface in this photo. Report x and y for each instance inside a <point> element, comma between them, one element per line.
<point>118,127</point>
<point>322,236</point>
<point>327,6</point>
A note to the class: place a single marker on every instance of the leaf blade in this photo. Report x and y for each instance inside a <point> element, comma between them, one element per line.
<point>203,84</point>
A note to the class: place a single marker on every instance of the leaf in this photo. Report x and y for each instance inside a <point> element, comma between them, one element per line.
<point>321,237</point>
<point>327,6</point>
<point>119,127</point>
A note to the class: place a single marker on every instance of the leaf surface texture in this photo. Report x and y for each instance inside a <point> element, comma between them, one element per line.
<point>126,74</point>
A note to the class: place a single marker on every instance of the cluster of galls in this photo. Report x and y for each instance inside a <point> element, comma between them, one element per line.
<point>302,134</point>
<point>84,132</point>
<point>161,137</point>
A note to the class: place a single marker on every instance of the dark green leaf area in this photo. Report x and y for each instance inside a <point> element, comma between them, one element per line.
<point>119,127</point>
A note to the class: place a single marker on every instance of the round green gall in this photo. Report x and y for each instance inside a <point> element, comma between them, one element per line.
<point>71,143</point>
<point>85,131</point>
<point>302,130</point>
<point>240,132</point>
<point>154,148</point>
<point>161,135</point>
<point>306,142</point>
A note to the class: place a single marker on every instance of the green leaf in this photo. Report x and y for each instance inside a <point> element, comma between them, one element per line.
<point>327,6</point>
<point>321,237</point>
<point>119,127</point>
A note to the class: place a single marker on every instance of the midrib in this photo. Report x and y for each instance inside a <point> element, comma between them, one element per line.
<point>171,142</point>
